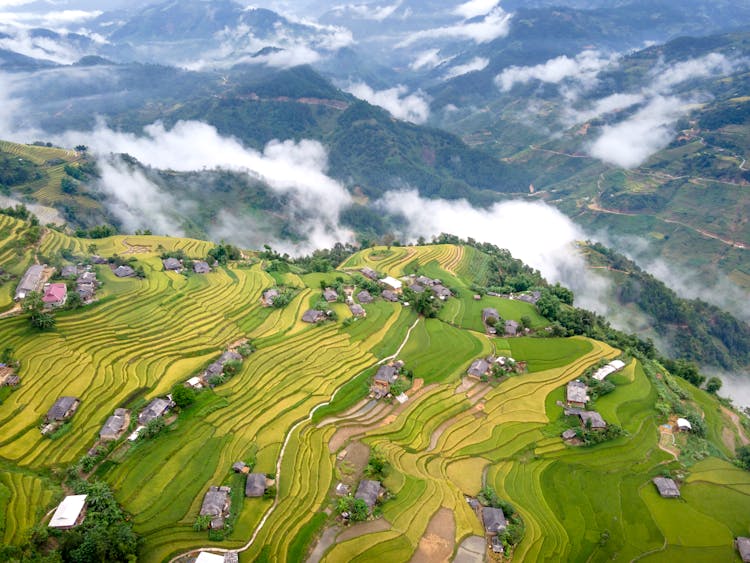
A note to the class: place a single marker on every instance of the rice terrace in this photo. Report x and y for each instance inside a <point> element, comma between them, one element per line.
<point>422,415</point>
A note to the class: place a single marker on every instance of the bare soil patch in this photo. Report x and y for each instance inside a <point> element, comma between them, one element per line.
<point>437,542</point>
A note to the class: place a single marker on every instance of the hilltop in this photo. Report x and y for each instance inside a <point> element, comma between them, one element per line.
<point>296,408</point>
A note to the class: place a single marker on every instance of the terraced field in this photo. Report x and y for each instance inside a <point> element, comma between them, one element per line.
<point>447,441</point>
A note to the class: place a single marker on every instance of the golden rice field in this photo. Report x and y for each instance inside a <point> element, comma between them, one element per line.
<point>145,335</point>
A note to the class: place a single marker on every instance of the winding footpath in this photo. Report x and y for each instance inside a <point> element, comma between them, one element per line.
<point>289,433</point>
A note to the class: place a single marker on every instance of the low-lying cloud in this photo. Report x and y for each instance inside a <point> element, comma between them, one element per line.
<point>397,101</point>
<point>494,25</point>
<point>375,12</point>
<point>475,64</point>
<point>474,8</point>
<point>629,143</point>
<point>509,225</point>
<point>583,68</point>
<point>294,169</point>
<point>428,59</point>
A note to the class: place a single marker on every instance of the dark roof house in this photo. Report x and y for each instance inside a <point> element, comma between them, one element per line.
<point>238,466</point>
<point>357,310</point>
<point>386,375</point>
<point>489,313</point>
<point>592,420</point>
<point>201,267</point>
<point>569,434</point>
<point>511,327</point>
<point>417,288</point>
<point>478,368</point>
<point>577,393</point>
<point>114,426</point>
<point>441,291</point>
<point>124,271</point>
<point>364,297</point>
<point>255,485</point>
<point>743,547</point>
<point>63,408</point>
<point>216,504</point>
<point>667,487</point>
<point>313,316</point>
<point>369,273</point>
<point>389,295</point>
<point>494,520</point>
<point>155,409</point>
<point>69,271</point>
<point>330,295</point>
<point>368,491</point>
<point>172,264</point>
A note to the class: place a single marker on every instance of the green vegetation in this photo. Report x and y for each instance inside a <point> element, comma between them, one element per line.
<point>146,336</point>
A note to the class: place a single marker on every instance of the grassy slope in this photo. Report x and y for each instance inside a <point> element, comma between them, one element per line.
<point>144,335</point>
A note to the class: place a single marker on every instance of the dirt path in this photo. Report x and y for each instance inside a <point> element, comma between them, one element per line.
<point>666,441</point>
<point>705,233</point>
<point>437,542</point>
<point>279,460</point>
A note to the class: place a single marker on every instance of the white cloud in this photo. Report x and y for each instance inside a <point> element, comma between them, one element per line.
<point>603,106</point>
<point>294,169</point>
<point>495,24</point>
<point>427,59</point>
<point>630,142</point>
<point>583,68</point>
<point>536,233</point>
<point>401,105</point>
<point>370,11</point>
<point>474,8</point>
<point>475,64</point>
<point>51,20</point>
<point>44,48</point>
<point>713,64</point>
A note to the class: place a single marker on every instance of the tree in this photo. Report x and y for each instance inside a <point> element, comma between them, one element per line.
<point>73,300</point>
<point>38,317</point>
<point>183,396</point>
<point>713,385</point>
<point>743,456</point>
<point>68,186</point>
<point>81,148</point>
<point>201,523</point>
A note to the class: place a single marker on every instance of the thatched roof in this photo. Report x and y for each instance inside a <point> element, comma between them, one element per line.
<point>255,485</point>
<point>313,316</point>
<point>478,367</point>
<point>666,487</point>
<point>368,491</point>
<point>62,407</point>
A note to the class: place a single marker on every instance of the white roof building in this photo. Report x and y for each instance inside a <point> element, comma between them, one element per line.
<point>68,512</point>
<point>391,282</point>
<point>684,424</point>
<point>195,382</point>
<point>206,557</point>
<point>609,369</point>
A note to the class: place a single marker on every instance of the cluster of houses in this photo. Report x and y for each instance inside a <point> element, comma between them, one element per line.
<point>217,501</point>
<point>531,297</point>
<point>63,409</point>
<point>176,265</point>
<point>492,322</point>
<point>86,282</point>
<point>215,369</point>
<point>494,522</point>
<point>483,367</point>
<point>422,283</point>
<point>386,376</point>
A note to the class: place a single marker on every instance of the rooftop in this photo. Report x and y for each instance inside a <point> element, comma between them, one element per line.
<point>368,491</point>
<point>67,513</point>
<point>255,485</point>
<point>493,519</point>
<point>666,487</point>
<point>392,282</point>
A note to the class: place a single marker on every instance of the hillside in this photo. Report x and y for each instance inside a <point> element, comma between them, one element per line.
<point>297,409</point>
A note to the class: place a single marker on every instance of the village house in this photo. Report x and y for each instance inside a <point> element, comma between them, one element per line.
<point>364,297</point>
<point>743,547</point>
<point>239,467</point>
<point>369,273</point>
<point>342,489</point>
<point>55,295</point>
<point>31,281</point>
<point>63,409</point>
<point>69,513</point>
<point>8,377</point>
<point>490,316</point>
<point>207,557</point>
<point>115,425</point>
<point>195,382</point>
<point>569,434</point>
<point>156,408</point>
<point>592,420</point>
<point>667,487</point>
<point>496,544</point>
<point>96,259</point>
<point>201,267</point>
<point>385,377</point>
<point>124,271</point>
<point>69,272</point>
<point>389,295</point>
<point>330,295</point>
<point>478,368</point>
<point>269,296</point>
<point>441,291</point>
<point>609,369</point>
<point>369,491</point>
<point>392,283</point>
<point>532,297</point>
<point>313,316</point>
<point>511,328</point>
<point>255,486</point>
<point>577,394</point>
<point>216,504</point>
<point>683,425</point>
<point>417,288</point>
<point>357,310</point>
<point>172,264</point>
<point>493,520</point>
